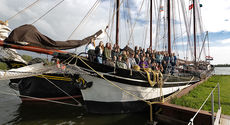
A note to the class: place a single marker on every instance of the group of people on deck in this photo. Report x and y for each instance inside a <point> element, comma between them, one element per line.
<point>123,58</point>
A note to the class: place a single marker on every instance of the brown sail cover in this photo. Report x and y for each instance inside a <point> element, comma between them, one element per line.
<point>29,34</point>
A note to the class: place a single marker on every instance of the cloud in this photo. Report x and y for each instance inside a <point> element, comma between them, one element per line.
<point>214,14</point>
<point>225,41</point>
<point>220,54</point>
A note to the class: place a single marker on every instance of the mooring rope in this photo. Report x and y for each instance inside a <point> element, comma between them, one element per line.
<point>42,99</point>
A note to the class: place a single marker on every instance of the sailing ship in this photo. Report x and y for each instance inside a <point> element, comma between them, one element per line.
<point>104,88</point>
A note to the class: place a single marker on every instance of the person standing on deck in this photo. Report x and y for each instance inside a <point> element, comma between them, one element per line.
<point>173,61</point>
<point>99,51</point>
<point>107,53</point>
<point>90,49</point>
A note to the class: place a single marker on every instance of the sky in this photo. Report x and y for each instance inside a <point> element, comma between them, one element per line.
<point>62,20</point>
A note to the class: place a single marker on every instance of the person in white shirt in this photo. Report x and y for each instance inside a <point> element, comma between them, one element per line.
<point>90,46</point>
<point>132,61</point>
<point>90,49</point>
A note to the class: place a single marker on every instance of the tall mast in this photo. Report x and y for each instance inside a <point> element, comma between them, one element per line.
<point>151,5</point>
<point>194,28</point>
<point>117,22</point>
<point>169,29</point>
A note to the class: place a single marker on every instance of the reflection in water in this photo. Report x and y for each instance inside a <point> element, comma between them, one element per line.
<point>12,111</point>
<point>50,114</point>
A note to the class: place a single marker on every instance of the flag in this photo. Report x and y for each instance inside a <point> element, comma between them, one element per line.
<point>190,6</point>
<point>161,8</point>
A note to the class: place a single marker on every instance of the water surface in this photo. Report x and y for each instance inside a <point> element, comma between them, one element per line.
<point>222,71</point>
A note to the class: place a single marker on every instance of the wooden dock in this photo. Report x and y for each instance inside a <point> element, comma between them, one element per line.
<point>225,120</point>
<point>171,114</point>
<point>180,115</point>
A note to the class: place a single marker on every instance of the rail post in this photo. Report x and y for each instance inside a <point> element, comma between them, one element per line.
<point>219,95</point>
<point>212,101</point>
<point>191,121</point>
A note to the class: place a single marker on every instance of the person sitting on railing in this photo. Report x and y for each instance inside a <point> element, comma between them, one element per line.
<point>99,51</point>
<point>132,60</point>
<point>135,50</point>
<point>154,66</point>
<point>148,51</point>
<point>115,52</point>
<point>147,57</point>
<point>107,53</point>
<point>124,55</point>
<point>158,58</point>
<point>140,49</point>
<point>153,59</point>
<point>137,59</point>
<point>120,63</point>
<point>149,63</point>
<point>161,57</point>
<point>90,49</point>
<point>143,63</point>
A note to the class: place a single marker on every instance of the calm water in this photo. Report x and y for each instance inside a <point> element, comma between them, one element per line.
<point>13,112</point>
<point>222,71</point>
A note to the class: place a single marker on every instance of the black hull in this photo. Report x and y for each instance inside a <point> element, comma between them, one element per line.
<point>42,88</point>
<point>119,107</point>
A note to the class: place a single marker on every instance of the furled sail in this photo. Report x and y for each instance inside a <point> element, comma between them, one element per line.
<point>39,69</point>
<point>26,71</point>
<point>29,35</point>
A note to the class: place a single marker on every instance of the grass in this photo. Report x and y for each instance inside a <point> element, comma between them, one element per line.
<point>196,97</point>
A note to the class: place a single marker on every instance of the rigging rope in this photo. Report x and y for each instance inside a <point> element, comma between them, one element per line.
<point>146,26</point>
<point>114,12</point>
<point>110,12</point>
<point>132,29</point>
<point>187,27</point>
<point>95,5</point>
<point>181,28</point>
<point>203,45</point>
<point>23,10</point>
<point>48,11</point>
<point>158,26</point>
<point>174,31</point>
